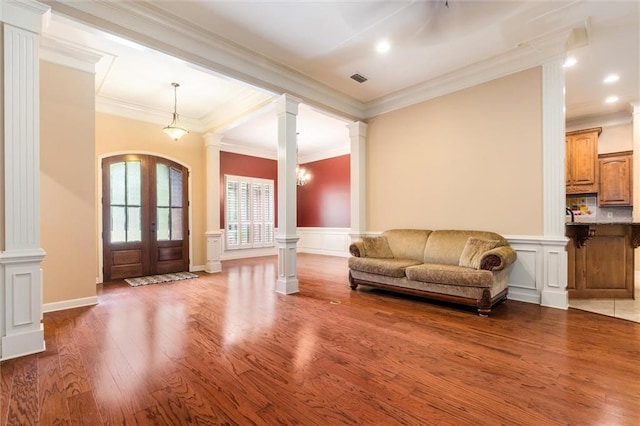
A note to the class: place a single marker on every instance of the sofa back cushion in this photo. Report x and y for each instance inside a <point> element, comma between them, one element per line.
<point>445,247</point>
<point>407,243</point>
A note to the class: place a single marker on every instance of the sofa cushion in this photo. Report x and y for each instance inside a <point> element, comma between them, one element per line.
<point>473,251</point>
<point>445,247</point>
<point>407,243</point>
<point>376,247</point>
<point>388,267</point>
<point>450,274</point>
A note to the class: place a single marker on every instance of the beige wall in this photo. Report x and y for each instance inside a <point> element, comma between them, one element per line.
<point>471,159</point>
<point>67,170</point>
<point>116,135</point>
<point>616,139</point>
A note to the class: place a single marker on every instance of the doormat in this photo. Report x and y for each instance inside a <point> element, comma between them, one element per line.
<point>164,278</point>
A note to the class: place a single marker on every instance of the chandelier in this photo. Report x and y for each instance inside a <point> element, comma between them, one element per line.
<point>174,130</point>
<point>302,176</point>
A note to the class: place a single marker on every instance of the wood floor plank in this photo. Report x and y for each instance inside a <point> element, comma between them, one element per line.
<point>52,401</point>
<point>227,349</point>
<point>24,408</point>
<point>72,369</point>
<point>7,369</point>
<point>83,409</point>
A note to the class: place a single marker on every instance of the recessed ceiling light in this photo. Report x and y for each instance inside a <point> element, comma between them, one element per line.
<point>611,99</point>
<point>569,62</point>
<point>383,46</point>
<point>612,78</point>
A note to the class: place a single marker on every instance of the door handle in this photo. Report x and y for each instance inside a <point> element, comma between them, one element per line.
<point>153,227</point>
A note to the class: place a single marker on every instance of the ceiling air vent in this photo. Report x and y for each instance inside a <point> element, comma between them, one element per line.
<point>359,78</point>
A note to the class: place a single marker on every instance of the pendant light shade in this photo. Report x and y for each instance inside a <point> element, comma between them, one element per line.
<point>174,130</point>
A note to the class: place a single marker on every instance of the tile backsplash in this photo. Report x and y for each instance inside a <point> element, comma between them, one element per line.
<point>585,208</point>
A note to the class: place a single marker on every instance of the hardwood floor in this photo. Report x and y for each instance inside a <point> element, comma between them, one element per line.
<point>226,349</point>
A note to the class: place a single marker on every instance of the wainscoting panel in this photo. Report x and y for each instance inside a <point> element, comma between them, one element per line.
<point>522,279</point>
<point>539,275</point>
<point>327,241</point>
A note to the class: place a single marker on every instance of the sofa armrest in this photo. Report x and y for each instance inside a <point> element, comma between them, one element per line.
<point>357,249</point>
<point>498,258</point>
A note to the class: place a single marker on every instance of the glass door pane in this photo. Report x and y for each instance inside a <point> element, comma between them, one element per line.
<point>125,194</point>
<point>169,207</point>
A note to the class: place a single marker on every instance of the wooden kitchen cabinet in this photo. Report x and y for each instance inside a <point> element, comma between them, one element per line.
<point>581,161</point>
<point>615,179</point>
<point>601,264</point>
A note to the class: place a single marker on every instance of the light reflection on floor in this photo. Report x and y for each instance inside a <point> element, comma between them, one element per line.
<point>250,303</point>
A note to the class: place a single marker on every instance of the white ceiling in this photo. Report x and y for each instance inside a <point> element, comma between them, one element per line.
<point>237,57</point>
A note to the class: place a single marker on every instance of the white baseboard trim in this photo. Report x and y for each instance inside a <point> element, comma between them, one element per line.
<point>70,304</point>
<point>244,254</point>
<point>197,268</point>
<point>520,296</point>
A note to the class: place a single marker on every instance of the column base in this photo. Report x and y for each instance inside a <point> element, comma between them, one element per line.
<point>21,344</point>
<point>214,243</point>
<point>287,282</point>
<point>287,286</point>
<point>553,299</point>
<point>213,267</point>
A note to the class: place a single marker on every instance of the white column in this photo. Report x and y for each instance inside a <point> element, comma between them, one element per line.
<point>358,137</point>
<point>212,144</point>
<point>554,277</point>
<point>20,272</point>
<point>636,161</point>
<point>287,238</point>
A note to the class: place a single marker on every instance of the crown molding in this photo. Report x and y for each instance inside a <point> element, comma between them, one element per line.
<point>234,148</point>
<point>145,24</point>
<point>25,14</point>
<point>524,56</point>
<point>607,120</point>
<point>72,56</point>
<point>330,153</point>
<point>144,113</point>
<point>272,154</point>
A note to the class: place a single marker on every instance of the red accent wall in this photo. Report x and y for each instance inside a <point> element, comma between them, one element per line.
<point>245,165</point>
<point>326,200</point>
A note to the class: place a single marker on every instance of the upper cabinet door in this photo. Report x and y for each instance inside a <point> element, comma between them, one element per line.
<point>615,179</point>
<point>582,161</point>
<point>585,154</point>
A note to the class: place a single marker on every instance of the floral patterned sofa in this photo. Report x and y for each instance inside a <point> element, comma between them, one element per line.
<point>465,267</point>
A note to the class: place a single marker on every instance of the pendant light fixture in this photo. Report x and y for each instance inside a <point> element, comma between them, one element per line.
<point>174,130</point>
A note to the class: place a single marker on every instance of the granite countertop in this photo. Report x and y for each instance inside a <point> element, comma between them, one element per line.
<point>603,222</point>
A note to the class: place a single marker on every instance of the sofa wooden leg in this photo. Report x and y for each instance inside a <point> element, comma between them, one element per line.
<point>484,303</point>
<point>352,282</point>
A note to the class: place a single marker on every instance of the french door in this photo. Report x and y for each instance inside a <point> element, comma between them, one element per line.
<point>145,228</point>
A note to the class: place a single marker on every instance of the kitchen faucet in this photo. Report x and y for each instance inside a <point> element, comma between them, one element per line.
<point>568,210</point>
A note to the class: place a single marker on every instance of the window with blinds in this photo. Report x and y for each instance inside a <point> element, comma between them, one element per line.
<point>249,212</point>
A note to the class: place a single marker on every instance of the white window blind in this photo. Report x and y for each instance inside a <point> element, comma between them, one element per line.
<point>249,212</point>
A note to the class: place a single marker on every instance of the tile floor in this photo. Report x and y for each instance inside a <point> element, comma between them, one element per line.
<point>628,309</point>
